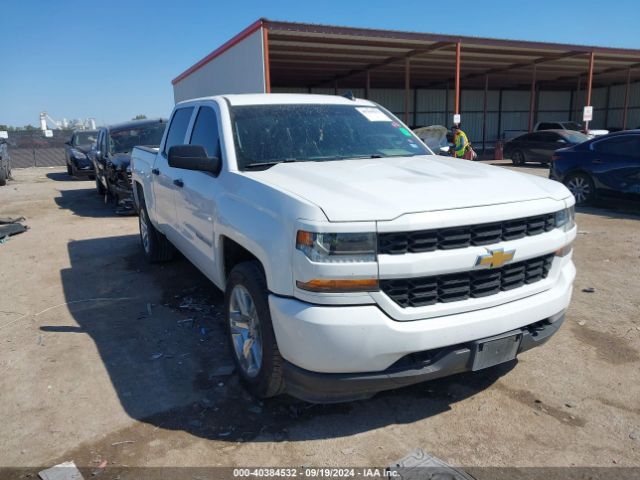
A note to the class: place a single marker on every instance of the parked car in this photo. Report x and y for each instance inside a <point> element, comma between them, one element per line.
<point>353,260</point>
<point>111,156</point>
<point>607,166</point>
<point>539,146</point>
<point>77,161</point>
<point>568,125</point>
<point>5,162</point>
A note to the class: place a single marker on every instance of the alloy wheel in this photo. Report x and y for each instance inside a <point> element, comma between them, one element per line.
<point>144,230</point>
<point>245,331</point>
<point>580,188</point>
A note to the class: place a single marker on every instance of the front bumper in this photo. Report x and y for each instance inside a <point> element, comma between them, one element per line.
<point>363,338</point>
<point>340,387</point>
<point>82,168</point>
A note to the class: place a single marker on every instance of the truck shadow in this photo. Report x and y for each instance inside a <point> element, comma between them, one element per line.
<point>85,202</point>
<point>159,334</point>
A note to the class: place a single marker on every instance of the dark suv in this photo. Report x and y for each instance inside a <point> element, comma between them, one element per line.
<point>78,164</point>
<point>111,156</point>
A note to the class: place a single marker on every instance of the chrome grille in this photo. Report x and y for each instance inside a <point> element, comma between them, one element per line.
<point>422,291</point>
<point>398,243</point>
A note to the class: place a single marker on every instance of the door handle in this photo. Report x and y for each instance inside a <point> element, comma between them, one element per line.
<point>178,182</point>
<point>155,171</point>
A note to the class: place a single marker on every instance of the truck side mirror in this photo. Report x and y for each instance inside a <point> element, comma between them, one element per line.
<point>193,157</point>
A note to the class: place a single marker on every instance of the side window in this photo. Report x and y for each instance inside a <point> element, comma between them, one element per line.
<point>178,128</point>
<point>548,126</point>
<point>622,145</point>
<point>548,137</point>
<point>536,137</point>
<point>205,132</point>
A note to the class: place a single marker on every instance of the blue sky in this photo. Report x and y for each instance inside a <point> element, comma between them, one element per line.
<point>114,59</point>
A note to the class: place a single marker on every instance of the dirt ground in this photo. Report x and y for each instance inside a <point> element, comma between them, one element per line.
<point>103,357</point>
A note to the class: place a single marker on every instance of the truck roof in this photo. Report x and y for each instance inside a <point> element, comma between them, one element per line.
<point>285,98</point>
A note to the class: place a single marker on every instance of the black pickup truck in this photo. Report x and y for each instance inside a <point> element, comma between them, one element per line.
<point>111,156</point>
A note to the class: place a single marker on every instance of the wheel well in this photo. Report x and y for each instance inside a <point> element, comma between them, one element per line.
<point>233,254</point>
<point>140,195</point>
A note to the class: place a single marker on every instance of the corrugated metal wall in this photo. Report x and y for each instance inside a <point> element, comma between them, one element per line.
<point>432,107</point>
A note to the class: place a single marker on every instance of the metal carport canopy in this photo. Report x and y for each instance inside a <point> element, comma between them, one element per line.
<point>309,55</point>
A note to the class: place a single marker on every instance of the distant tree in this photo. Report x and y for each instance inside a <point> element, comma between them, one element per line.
<point>139,117</point>
<point>29,127</point>
<point>4,127</point>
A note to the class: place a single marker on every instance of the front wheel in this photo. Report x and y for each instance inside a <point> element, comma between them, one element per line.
<point>518,158</point>
<point>582,188</point>
<point>253,343</point>
<point>69,170</point>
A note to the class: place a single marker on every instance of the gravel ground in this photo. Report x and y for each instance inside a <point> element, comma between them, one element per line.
<point>104,358</point>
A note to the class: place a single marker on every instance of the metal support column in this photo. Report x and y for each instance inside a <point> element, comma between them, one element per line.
<point>606,112</point>
<point>367,85</point>
<point>484,113</point>
<point>589,86</point>
<point>625,109</point>
<point>499,136</point>
<point>532,103</point>
<point>576,116</point>
<point>335,87</point>
<point>407,89</point>
<point>457,98</point>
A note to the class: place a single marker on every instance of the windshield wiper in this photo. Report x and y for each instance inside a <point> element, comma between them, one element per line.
<point>265,165</point>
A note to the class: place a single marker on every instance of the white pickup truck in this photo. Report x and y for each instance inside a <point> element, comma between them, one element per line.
<point>352,258</point>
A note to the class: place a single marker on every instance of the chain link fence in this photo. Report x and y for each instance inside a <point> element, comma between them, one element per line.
<point>30,148</point>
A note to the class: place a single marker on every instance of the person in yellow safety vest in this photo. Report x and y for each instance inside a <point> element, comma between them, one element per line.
<point>460,141</point>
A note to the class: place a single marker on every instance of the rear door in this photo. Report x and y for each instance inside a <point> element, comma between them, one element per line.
<point>196,198</point>
<point>164,176</point>
<point>615,164</point>
<point>548,143</point>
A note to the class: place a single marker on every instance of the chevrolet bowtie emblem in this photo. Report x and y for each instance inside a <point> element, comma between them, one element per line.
<point>495,258</point>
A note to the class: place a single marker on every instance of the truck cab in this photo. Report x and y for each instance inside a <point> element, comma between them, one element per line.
<point>353,259</point>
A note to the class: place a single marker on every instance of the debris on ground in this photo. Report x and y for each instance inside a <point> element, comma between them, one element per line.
<point>11,226</point>
<point>582,323</point>
<point>62,471</point>
<point>419,465</point>
<point>222,371</point>
<point>589,290</point>
<point>122,442</point>
<point>635,434</point>
<point>156,356</point>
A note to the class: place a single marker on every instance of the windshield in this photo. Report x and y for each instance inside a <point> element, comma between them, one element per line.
<point>85,138</point>
<point>268,134</point>
<point>123,141</point>
<point>572,126</point>
<point>574,137</point>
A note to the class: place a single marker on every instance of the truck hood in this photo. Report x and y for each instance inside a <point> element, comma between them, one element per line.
<point>384,189</point>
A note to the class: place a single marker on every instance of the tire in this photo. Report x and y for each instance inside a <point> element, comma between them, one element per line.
<point>100,188</point>
<point>518,158</point>
<point>155,245</point>
<point>582,187</point>
<point>69,170</point>
<point>4,175</point>
<point>246,302</point>
<point>92,177</point>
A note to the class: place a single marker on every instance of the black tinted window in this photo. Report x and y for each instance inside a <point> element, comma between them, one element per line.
<point>535,137</point>
<point>548,126</point>
<point>205,132</point>
<point>622,145</point>
<point>178,128</point>
<point>549,137</point>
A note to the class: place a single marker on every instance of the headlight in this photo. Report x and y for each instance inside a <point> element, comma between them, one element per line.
<point>78,154</point>
<point>566,219</point>
<point>337,247</point>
